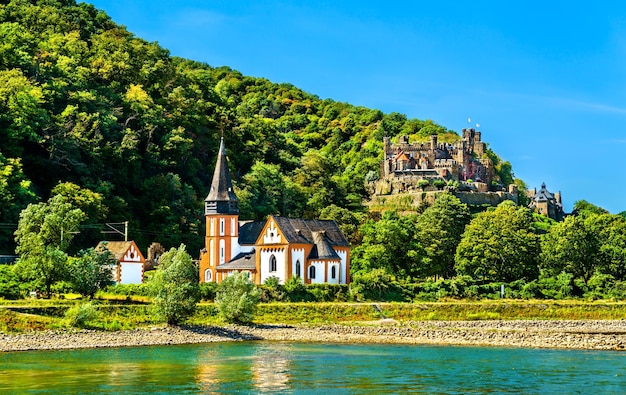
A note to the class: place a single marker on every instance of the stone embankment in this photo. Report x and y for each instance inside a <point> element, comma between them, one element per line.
<point>600,335</point>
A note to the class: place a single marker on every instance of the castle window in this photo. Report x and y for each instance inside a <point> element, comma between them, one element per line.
<point>272,263</point>
<point>221,226</point>
<point>208,276</point>
<point>333,272</point>
<point>312,272</point>
<point>298,268</point>
<point>222,252</point>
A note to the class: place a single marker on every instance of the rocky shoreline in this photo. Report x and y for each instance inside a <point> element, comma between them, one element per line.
<point>596,335</point>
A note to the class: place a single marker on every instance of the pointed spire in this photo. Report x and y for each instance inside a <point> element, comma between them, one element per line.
<point>221,198</point>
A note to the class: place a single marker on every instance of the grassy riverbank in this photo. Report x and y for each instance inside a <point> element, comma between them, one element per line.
<point>112,315</point>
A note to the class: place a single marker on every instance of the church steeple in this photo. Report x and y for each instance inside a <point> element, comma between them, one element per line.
<point>221,198</point>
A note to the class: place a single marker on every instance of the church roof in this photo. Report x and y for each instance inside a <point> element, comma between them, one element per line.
<point>300,231</point>
<point>321,247</point>
<point>249,232</point>
<point>242,261</point>
<point>222,185</point>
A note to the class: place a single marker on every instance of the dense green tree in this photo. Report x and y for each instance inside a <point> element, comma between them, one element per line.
<point>439,231</point>
<point>43,234</point>
<point>266,191</point>
<point>390,244</point>
<point>91,271</point>
<point>237,298</point>
<point>584,208</point>
<point>586,244</point>
<point>499,245</point>
<point>15,193</point>
<point>175,286</point>
<point>571,247</point>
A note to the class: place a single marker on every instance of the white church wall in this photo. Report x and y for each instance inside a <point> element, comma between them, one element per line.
<point>319,272</point>
<point>343,275</point>
<point>297,255</point>
<point>265,256</point>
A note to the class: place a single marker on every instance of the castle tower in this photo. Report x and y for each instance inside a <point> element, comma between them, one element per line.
<point>221,210</point>
<point>433,143</point>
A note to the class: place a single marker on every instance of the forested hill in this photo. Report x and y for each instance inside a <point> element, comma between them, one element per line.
<point>129,132</point>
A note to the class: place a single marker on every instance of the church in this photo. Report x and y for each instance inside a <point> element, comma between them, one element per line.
<point>314,250</point>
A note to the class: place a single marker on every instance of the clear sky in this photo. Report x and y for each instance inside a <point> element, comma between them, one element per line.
<point>544,79</point>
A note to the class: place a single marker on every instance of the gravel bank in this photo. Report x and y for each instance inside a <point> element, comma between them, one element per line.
<point>598,335</point>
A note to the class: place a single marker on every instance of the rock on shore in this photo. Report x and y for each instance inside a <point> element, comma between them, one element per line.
<point>600,335</point>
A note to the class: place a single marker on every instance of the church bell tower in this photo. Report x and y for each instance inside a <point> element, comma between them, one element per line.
<point>221,210</point>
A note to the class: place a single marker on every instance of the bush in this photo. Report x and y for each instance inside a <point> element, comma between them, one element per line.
<point>128,289</point>
<point>237,299</point>
<point>296,291</point>
<point>78,316</point>
<point>599,286</point>
<point>208,291</point>
<point>9,283</point>
<point>272,290</point>
<point>375,285</point>
<point>559,287</point>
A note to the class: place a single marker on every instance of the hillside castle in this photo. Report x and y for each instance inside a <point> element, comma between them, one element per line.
<point>462,160</point>
<point>413,173</point>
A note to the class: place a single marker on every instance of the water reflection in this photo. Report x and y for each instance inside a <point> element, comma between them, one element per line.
<point>261,367</point>
<point>271,366</point>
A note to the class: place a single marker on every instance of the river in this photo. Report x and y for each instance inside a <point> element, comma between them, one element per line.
<point>312,368</point>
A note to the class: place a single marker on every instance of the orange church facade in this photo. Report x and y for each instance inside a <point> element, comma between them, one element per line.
<point>316,251</point>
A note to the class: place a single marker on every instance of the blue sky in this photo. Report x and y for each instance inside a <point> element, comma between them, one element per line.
<point>545,80</point>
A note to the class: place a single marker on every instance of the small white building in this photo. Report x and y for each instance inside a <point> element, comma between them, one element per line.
<point>130,261</point>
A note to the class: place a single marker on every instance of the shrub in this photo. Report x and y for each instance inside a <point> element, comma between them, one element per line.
<point>78,316</point>
<point>237,299</point>
<point>272,290</point>
<point>296,291</point>
<point>439,184</point>
<point>128,289</point>
<point>9,283</point>
<point>376,285</point>
<point>423,183</point>
<point>208,291</point>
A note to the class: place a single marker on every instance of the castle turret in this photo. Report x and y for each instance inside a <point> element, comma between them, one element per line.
<point>221,211</point>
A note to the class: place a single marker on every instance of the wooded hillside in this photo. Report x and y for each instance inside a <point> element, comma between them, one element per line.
<point>129,132</point>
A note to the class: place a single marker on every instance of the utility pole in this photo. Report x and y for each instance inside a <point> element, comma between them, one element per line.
<point>114,227</point>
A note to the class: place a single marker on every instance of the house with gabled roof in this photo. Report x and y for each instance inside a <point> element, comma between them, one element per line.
<point>314,250</point>
<point>130,261</point>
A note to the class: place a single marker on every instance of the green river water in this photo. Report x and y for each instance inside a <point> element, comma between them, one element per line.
<point>312,368</point>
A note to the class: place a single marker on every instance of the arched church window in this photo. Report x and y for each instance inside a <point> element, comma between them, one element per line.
<point>312,272</point>
<point>298,268</point>
<point>208,276</point>
<point>272,263</point>
<point>333,272</point>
